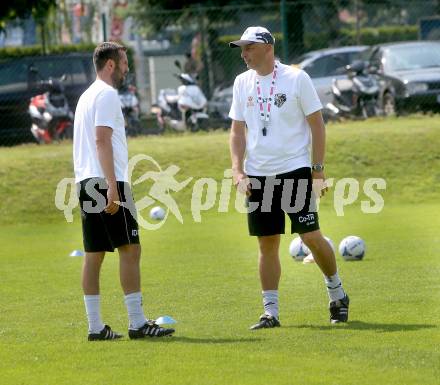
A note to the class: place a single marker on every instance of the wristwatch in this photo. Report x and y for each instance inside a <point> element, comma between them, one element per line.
<point>318,167</point>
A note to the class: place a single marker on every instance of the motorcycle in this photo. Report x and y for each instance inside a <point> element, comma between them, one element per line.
<point>130,108</point>
<point>183,108</point>
<point>355,97</point>
<point>51,116</point>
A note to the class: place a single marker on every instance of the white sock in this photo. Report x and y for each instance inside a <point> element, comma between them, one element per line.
<point>334,287</point>
<point>270,302</point>
<point>93,311</point>
<point>136,316</point>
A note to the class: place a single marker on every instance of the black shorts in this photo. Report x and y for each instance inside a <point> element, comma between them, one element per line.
<point>272,197</point>
<point>102,231</point>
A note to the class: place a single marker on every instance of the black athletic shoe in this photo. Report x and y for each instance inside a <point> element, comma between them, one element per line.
<point>105,334</point>
<point>339,310</point>
<point>266,321</point>
<point>150,329</point>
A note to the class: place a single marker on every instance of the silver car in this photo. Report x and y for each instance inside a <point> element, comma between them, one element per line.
<point>322,66</point>
<point>327,64</point>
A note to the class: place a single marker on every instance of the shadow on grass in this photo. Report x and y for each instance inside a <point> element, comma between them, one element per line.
<point>196,340</point>
<point>359,325</point>
<point>213,340</point>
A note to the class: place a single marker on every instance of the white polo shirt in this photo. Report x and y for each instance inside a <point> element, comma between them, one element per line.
<point>286,146</point>
<point>99,105</point>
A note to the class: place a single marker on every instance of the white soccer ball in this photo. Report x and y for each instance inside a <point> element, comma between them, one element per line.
<point>298,250</point>
<point>330,242</point>
<point>352,248</point>
<point>157,213</point>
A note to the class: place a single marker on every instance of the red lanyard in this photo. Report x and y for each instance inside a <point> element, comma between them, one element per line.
<point>265,117</point>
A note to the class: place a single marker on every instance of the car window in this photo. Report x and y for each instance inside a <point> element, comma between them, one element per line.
<point>330,65</point>
<point>336,64</point>
<point>352,56</point>
<point>13,76</point>
<point>366,54</point>
<point>317,68</point>
<point>412,57</point>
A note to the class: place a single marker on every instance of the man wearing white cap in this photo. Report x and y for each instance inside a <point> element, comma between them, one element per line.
<point>276,115</point>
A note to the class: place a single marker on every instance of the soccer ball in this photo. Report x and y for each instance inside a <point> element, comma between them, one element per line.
<point>298,250</point>
<point>352,248</point>
<point>157,213</point>
<point>330,242</point>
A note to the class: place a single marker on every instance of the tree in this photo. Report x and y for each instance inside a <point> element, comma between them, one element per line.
<point>295,28</point>
<point>39,9</point>
<point>24,8</point>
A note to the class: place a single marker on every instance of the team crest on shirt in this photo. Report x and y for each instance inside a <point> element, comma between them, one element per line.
<point>280,99</point>
<point>250,101</point>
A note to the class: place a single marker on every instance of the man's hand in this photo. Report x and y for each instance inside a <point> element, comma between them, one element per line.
<point>319,186</point>
<point>112,199</point>
<point>241,182</point>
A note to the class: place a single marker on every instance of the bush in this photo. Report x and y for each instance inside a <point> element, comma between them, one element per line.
<point>371,36</point>
<point>37,50</point>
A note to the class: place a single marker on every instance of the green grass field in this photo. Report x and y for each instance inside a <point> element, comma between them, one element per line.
<point>205,275</point>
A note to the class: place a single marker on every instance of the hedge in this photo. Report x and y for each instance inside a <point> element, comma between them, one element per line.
<point>232,64</point>
<point>16,52</point>
<point>368,36</point>
<point>37,50</point>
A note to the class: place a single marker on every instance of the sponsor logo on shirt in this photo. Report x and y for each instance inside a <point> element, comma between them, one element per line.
<point>280,99</point>
<point>250,101</point>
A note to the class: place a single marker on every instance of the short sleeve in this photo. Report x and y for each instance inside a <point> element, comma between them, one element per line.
<point>308,97</point>
<point>236,111</point>
<point>107,109</point>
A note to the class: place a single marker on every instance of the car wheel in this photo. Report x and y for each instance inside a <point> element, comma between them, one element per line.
<point>389,105</point>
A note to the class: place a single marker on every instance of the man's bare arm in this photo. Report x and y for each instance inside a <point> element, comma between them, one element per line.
<point>105,156</point>
<point>317,128</point>
<point>237,145</point>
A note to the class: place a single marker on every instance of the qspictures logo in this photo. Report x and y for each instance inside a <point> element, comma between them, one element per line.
<point>162,185</point>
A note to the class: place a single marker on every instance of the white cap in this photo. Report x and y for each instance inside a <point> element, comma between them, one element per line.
<point>254,35</point>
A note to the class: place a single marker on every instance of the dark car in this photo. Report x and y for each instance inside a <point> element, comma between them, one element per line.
<point>19,82</point>
<point>408,74</point>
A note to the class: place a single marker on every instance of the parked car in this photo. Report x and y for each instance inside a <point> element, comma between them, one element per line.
<point>18,83</point>
<point>408,74</point>
<point>219,106</point>
<point>324,65</point>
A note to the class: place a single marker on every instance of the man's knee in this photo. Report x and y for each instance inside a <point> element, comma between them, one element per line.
<point>312,239</point>
<point>94,259</point>
<point>130,253</point>
<point>269,246</point>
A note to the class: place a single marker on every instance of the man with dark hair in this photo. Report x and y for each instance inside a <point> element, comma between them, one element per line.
<point>275,112</point>
<point>100,161</point>
<point>106,51</point>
